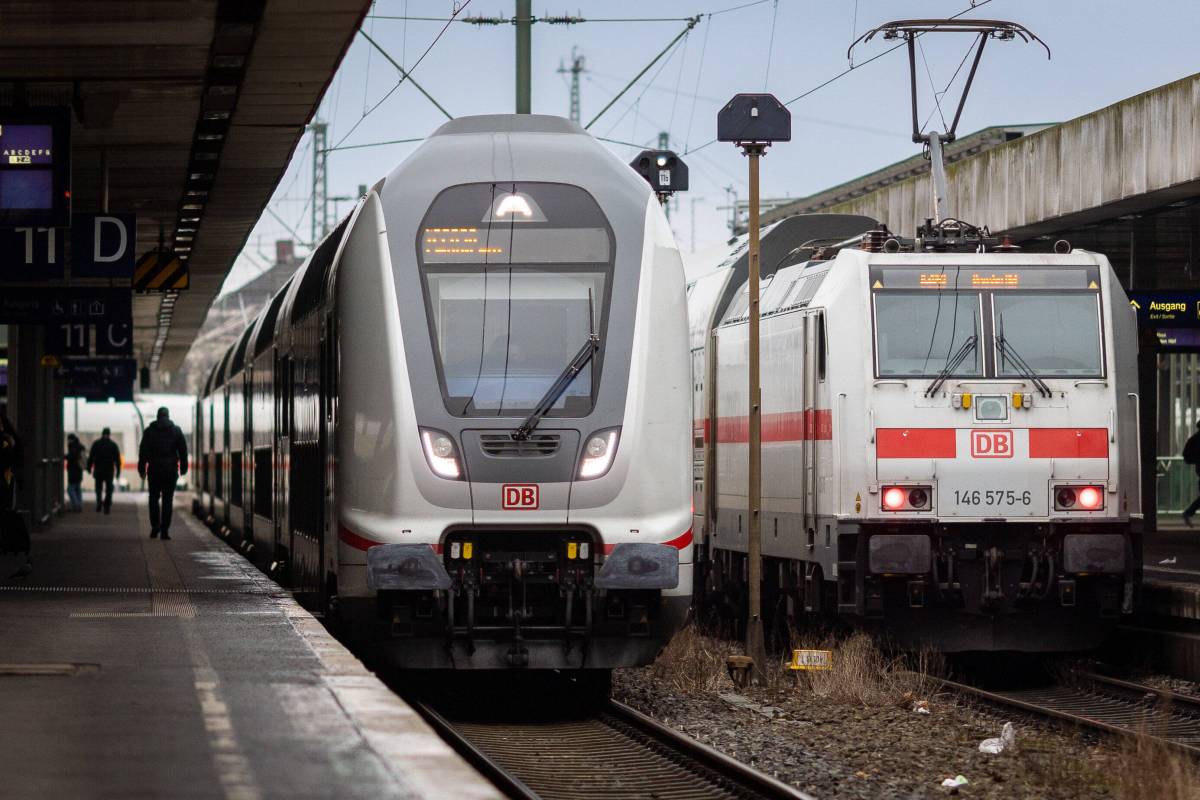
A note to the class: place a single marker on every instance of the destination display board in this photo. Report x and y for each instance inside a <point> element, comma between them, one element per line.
<point>35,167</point>
<point>1082,278</point>
<point>1178,338</point>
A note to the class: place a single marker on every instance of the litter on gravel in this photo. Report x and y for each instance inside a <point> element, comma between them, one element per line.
<point>1008,737</point>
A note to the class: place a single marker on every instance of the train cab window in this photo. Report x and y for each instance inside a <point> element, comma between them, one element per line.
<point>1054,333</point>
<point>919,333</point>
<point>516,277</point>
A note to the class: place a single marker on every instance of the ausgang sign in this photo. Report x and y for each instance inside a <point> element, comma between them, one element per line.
<point>1166,309</point>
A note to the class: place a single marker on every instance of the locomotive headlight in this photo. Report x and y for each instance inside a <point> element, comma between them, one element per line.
<point>598,454</point>
<point>440,453</point>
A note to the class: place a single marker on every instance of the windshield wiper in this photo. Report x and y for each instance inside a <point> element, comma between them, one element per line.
<point>1023,368</point>
<point>581,359</point>
<point>951,365</point>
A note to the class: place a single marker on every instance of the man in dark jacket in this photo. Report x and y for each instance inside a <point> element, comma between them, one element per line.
<point>74,459</point>
<point>1191,455</point>
<point>163,457</point>
<point>104,462</point>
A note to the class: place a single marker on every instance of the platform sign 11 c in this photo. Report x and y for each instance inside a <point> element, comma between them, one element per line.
<point>73,339</point>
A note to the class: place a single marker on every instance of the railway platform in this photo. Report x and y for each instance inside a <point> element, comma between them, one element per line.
<point>132,667</point>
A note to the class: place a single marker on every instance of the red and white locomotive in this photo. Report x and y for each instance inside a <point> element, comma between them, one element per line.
<point>950,435</point>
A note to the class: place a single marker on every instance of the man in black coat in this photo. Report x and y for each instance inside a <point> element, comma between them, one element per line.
<point>163,457</point>
<point>104,461</point>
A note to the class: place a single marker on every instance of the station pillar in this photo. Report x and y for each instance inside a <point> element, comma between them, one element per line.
<point>35,402</point>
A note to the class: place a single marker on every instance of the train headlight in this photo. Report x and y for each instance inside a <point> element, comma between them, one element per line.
<point>441,454</point>
<point>598,454</point>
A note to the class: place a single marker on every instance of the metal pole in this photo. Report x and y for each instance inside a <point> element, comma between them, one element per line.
<point>937,176</point>
<point>524,25</point>
<point>755,646</point>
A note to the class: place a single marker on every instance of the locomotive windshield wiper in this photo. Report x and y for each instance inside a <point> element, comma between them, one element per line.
<point>1023,369</point>
<point>581,359</point>
<point>952,365</point>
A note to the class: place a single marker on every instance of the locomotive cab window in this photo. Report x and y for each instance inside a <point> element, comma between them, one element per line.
<point>1040,321</point>
<point>516,278</point>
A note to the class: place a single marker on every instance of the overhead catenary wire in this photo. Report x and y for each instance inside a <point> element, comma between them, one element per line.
<point>691,23</point>
<point>975,5</point>
<point>407,73</point>
<point>771,44</point>
<point>404,74</point>
<point>635,105</point>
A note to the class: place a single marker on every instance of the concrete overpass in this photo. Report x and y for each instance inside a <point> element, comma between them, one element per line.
<point>1123,180</point>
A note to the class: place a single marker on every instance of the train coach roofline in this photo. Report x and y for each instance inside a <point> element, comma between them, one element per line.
<point>508,123</point>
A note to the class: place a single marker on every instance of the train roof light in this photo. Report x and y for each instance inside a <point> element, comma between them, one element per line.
<point>514,207</point>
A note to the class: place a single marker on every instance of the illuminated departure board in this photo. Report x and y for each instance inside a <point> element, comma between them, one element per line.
<point>35,167</point>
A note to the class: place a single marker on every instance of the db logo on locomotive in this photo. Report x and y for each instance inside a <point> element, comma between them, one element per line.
<point>519,497</point>
<point>991,444</point>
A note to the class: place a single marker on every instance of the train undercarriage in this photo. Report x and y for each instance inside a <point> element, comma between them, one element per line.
<point>1042,587</point>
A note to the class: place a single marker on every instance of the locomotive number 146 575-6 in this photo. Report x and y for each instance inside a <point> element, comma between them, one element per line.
<point>992,497</point>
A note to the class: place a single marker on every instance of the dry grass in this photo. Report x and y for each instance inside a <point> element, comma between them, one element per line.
<point>693,663</point>
<point>865,675</point>
<point>862,674</point>
<point>1149,770</point>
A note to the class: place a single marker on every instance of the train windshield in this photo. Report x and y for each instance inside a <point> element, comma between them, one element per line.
<point>918,334</point>
<point>1054,333</point>
<point>516,277</point>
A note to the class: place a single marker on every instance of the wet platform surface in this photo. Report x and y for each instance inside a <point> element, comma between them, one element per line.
<point>132,667</point>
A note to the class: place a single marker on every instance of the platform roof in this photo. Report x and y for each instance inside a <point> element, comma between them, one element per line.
<point>182,103</point>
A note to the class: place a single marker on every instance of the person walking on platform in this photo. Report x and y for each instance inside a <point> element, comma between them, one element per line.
<point>104,462</point>
<point>162,457</point>
<point>74,459</point>
<point>1191,455</point>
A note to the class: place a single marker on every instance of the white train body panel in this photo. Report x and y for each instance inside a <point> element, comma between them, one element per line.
<point>460,497</point>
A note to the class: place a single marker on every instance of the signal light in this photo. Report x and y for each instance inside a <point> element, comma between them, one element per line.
<point>893,498</point>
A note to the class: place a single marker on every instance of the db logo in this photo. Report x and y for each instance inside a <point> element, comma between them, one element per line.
<point>519,496</point>
<point>991,444</point>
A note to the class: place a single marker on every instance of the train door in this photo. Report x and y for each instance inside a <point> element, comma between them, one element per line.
<point>246,445</point>
<point>809,393</point>
<point>328,412</point>
<point>283,424</point>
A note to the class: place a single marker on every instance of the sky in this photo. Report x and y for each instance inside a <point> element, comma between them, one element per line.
<point>1102,51</point>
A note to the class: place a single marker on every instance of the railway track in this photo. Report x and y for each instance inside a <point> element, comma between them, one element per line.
<point>1109,705</point>
<point>615,753</point>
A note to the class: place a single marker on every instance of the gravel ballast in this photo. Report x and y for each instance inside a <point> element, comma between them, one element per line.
<point>835,747</point>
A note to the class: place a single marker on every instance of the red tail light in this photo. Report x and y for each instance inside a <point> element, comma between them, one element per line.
<point>1090,497</point>
<point>893,498</point>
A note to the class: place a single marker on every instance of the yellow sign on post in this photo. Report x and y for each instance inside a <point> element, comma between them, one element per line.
<point>811,660</point>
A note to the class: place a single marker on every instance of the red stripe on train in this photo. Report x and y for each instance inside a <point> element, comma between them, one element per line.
<point>679,542</point>
<point>785,426</point>
<point>915,443</point>
<point>1068,443</point>
<point>354,540</point>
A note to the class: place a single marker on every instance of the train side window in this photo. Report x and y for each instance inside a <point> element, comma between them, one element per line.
<point>821,347</point>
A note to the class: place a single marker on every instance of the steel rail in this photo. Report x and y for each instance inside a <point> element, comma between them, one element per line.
<point>1108,705</point>
<point>548,760</point>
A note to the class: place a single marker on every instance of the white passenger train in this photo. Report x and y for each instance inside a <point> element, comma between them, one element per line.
<point>462,427</point>
<point>950,436</point>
